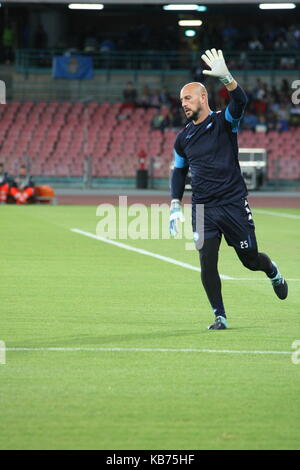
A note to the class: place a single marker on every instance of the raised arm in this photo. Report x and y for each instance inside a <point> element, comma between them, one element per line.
<point>238,101</point>
<point>238,98</point>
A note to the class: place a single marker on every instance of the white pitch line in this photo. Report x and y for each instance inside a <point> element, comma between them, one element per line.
<point>167,350</point>
<point>141,251</point>
<point>163,258</point>
<point>278,214</point>
<point>258,279</point>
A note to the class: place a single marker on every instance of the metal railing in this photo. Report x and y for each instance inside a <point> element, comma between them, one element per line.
<point>34,60</point>
<point>58,90</point>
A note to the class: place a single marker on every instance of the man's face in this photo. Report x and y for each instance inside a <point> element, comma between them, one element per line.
<point>192,102</point>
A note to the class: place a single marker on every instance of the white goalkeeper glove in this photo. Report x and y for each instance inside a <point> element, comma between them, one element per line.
<point>176,215</point>
<point>215,60</point>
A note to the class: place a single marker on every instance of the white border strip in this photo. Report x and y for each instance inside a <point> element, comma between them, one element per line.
<point>167,350</point>
<point>163,258</point>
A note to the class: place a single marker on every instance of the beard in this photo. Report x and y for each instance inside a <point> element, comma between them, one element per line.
<point>193,115</point>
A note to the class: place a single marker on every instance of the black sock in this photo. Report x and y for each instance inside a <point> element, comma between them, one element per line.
<point>257,262</point>
<point>209,275</point>
<point>219,310</point>
<point>266,265</point>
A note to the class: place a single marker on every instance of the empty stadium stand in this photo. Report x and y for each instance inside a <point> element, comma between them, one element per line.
<point>57,137</point>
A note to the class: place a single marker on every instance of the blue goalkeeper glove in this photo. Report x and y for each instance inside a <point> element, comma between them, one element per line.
<point>176,215</point>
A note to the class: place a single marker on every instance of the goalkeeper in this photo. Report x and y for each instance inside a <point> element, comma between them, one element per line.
<point>208,146</point>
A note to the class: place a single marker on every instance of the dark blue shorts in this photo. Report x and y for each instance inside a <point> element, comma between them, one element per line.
<point>233,220</point>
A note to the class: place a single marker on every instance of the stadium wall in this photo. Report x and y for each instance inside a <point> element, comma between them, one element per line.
<point>107,85</point>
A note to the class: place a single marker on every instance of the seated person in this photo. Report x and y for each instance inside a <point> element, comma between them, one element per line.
<point>161,119</point>
<point>4,184</point>
<point>272,121</point>
<point>129,96</point>
<point>145,97</point>
<point>22,188</point>
<point>249,121</point>
<point>261,125</point>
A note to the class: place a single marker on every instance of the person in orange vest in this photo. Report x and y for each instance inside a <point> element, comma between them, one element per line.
<point>4,184</point>
<point>22,188</point>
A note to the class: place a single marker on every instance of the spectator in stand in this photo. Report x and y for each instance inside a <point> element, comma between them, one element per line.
<point>230,35</point>
<point>157,122</point>
<point>40,38</point>
<point>283,115</point>
<point>274,94</point>
<point>255,45</point>
<point>285,87</point>
<point>249,121</point>
<point>243,61</point>
<point>261,125</point>
<point>266,90</point>
<point>288,63</point>
<point>268,108</point>
<point>8,38</point>
<point>294,115</point>
<point>291,37</point>
<point>145,97</point>
<point>165,97</point>
<point>4,184</point>
<point>260,97</point>
<point>168,113</point>
<point>259,90</point>
<point>161,119</point>
<point>297,35</point>
<point>273,104</point>
<point>22,189</point>
<point>155,99</point>
<point>90,44</point>
<point>281,42</point>
<point>129,96</point>
<point>107,45</point>
<point>272,121</point>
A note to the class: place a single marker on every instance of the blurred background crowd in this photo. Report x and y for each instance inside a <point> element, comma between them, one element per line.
<point>119,28</point>
<point>268,37</point>
<point>269,108</point>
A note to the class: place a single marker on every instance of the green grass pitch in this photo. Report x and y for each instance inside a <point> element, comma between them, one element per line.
<point>60,289</point>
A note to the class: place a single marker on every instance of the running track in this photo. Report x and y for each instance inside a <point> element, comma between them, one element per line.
<point>255,201</point>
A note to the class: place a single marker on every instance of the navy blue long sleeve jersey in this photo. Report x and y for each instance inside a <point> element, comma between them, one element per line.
<point>210,150</point>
